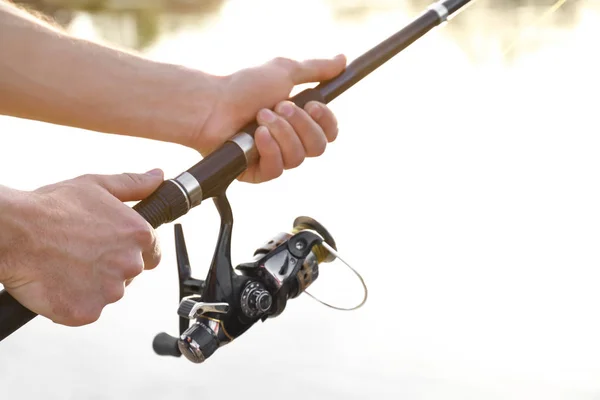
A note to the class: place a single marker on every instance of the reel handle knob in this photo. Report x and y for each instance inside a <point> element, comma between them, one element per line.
<point>166,345</point>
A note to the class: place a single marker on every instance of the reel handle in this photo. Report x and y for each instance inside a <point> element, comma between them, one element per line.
<point>166,345</point>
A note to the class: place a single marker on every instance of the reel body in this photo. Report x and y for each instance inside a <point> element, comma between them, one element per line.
<point>230,300</point>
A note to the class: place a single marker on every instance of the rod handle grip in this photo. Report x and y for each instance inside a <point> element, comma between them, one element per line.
<point>13,315</point>
<point>301,99</point>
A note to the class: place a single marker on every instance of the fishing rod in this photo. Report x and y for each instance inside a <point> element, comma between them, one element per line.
<point>214,311</point>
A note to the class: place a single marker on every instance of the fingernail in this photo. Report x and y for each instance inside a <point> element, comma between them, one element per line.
<point>262,130</point>
<point>286,109</point>
<point>154,172</point>
<point>267,115</point>
<point>314,110</point>
<point>339,57</point>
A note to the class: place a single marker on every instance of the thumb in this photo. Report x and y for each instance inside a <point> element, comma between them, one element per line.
<point>315,70</point>
<point>129,186</point>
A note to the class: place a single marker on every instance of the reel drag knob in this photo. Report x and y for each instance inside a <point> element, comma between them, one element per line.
<point>260,301</point>
<point>256,300</point>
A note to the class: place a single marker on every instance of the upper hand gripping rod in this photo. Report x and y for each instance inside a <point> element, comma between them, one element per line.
<point>212,175</point>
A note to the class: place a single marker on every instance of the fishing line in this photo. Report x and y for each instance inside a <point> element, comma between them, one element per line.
<point>362,281</point>
<point>555,7</point>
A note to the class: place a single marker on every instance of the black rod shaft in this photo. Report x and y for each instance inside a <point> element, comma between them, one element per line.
<point>378,55</point>
<point>13,315</point>
<point>384,51</point>
<point>454,5</point>
<point>211,176</point>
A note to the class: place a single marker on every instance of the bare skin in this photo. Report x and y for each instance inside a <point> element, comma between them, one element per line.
<point>69,249</point>
<point>286,136</point>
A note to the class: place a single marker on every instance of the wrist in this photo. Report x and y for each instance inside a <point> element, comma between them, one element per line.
<point>12,204</point>
<point>176,105</point>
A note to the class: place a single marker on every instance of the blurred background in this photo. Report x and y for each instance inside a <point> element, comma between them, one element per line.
<point>463,186</point>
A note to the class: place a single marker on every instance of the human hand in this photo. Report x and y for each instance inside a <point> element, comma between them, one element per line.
<point>75,245</point>
<point>284,137</point>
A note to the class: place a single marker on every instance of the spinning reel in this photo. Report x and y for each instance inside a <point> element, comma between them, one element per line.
<point>219,309</point>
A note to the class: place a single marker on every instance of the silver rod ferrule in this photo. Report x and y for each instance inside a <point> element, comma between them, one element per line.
<point>441,11</point>
<point>246,142</point>
<point>192,188</point>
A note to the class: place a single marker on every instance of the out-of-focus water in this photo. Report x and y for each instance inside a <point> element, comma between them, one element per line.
<point>463,185</point>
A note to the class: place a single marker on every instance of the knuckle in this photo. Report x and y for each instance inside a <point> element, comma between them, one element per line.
<point>143,233</point>
<point>156,257</point>
<point>114,293</point>
<point>151,259</point>
<point>85,315</point>
<point>318,148</point>
<point>76,307</point>
<point>131,177</point>
<point>134,268</point>
<point>331,115</point>
<point>323,115</point>
<point>290,111</point>
<point>295,160</point>
<point>62,311</point>
<point>284,62</point>
<point>279,124</point>
<point>333,134</point>
<point>273,174</point>
<point>86,178</point>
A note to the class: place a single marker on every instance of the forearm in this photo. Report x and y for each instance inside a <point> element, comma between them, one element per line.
<point>50,76</point>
